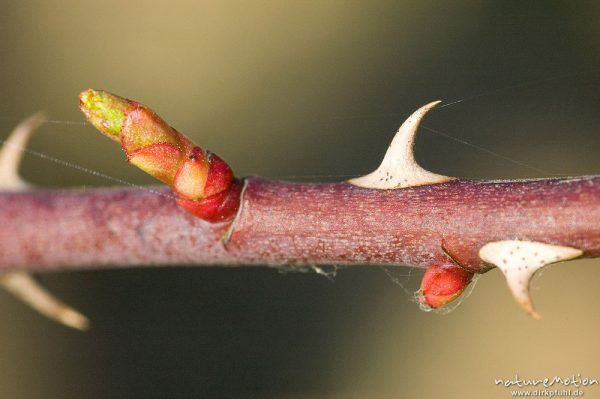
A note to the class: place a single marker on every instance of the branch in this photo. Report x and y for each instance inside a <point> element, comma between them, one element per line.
<point>454,228</point>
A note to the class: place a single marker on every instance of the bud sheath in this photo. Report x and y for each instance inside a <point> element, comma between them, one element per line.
<point>203,183</point>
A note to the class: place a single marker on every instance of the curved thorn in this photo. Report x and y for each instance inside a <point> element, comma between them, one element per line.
<point>519,260</point>
<point>24,287</point>
<point>399,168</point>
<point>12,151</point>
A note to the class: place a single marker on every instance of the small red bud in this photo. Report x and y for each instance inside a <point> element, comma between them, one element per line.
<point>443,283</point>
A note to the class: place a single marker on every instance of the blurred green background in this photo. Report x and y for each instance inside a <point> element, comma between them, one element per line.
<point>310,91</point>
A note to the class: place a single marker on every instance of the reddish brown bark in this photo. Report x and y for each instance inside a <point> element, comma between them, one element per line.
<point>297,223</point>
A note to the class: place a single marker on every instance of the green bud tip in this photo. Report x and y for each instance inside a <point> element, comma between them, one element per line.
<point>105,111</point>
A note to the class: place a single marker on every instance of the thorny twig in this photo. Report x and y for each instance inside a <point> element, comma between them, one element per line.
<point>400,214</point>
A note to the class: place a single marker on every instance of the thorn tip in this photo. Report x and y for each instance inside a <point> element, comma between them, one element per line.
<point>24,287</point>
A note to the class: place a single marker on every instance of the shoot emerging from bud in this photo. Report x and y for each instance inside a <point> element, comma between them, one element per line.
<point>203,183</point>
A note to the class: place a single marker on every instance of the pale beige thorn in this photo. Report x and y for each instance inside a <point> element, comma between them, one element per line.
<point>399,168</point>
<point>21,284</point>
<point>520,260</point>
<point>12,151</point>
<point>24,287</point>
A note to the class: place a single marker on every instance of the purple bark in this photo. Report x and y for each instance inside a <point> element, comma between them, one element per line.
<point>297,223</point>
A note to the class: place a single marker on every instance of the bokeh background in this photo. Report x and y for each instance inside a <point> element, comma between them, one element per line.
<point>308,91</point>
